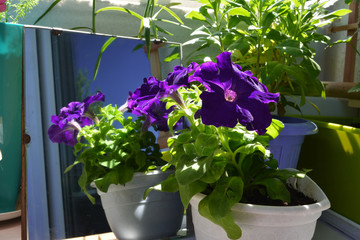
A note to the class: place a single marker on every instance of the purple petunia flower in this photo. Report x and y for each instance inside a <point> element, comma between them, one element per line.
<point>233,96</point>
<point>71,119</point>
<point>147,91</point>
<point>145,101</point>
<point>180,76</point>
<point>156,114</point>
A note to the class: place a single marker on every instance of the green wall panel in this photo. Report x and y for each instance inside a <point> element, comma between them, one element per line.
<point>11,42</point>
<point>334,157</point>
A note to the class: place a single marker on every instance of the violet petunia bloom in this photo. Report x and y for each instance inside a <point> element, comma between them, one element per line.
<point>180,76</point>
<point>71,119</point>
<point>233,96</point>
<point>156,114</point>
<point>150,89</point>
<point>145,101</point>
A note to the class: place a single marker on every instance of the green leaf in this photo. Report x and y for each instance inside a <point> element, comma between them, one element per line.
<point>276,35</point>
<point>195,16</point>
<point>275,188</point>
<point>184,137</point>
<point>227,222</point>
<point>268,20</point>
<point>189,190</point>
<point>170,11</point>
<point>292,47</point>
<point>189,149</point>
<point>168,185</point>
<point>110,178</point>
<point>338,13</point>
<point>204,11</point>
<point>205,144</point>
<point>140,159</point>
<point>227,192</point>
<point>102,50</point>
<point>192,171</point>
<point>121,9</point>
<point>216,169</point>
<point>172,57</point>
<point>239,11</point>
<point>71,166</point>
<point>83,182</point>
<point>275,128</point>
<point>125,173</point>
<point>355,89</point>
<point>311,66</point>
<point>47,11</point>
<point>241,44</point>
<point>173,118</point>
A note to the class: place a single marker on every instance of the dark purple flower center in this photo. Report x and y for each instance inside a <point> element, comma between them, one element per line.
<point>230,95</point>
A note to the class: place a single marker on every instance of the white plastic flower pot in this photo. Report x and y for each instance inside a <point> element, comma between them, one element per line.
<point>130,217</point>
<point>287,146</point>
<point>268,222</point>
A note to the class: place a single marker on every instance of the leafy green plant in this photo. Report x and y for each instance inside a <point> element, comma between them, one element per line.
<point>271,38</point>
<point>110,146</point>
<point>149,28</point>
<point>15,10</point>
<point>112,155</point>
<point>223,152</point>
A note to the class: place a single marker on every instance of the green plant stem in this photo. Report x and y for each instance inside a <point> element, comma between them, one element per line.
<point>259,39</point>
<point>93,29</point>
<point>299,20</point>
<point>218,23</point>
<point>225,144</point>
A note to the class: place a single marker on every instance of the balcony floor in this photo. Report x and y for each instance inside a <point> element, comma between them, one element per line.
<point>10,230</point>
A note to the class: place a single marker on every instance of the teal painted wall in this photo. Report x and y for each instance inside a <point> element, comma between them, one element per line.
<point>11,37</point>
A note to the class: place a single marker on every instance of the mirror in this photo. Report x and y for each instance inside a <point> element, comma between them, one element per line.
<point>58,68</point>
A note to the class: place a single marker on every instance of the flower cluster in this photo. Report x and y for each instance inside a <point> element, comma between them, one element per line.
<point>71,119</point>
<point>2,5</point>
<point>231,95</point>
<point>221,127</point>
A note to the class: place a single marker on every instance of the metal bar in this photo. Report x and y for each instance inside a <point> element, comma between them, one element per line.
<point>23,161</point>
<point>350,57</point>
<point>348,27</point>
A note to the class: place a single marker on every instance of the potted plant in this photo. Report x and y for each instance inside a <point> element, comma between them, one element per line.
<point>121,158</point>
<point>224,168</point>
<point>274,39</point>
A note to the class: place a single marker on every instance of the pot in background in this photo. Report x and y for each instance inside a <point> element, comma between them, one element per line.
<point>131,217</point>
<point>287,146</point>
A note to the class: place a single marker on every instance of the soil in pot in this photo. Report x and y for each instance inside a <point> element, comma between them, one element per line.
<point>297,199</point>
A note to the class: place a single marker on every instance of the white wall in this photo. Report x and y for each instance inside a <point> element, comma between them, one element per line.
<point>77,13</point>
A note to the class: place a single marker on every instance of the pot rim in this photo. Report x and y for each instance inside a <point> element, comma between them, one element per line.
<point>297,126</point>
<point>139,174</point>
<point>322,204</point>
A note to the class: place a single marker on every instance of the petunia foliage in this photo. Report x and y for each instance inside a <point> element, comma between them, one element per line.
<point>220,122</point>
<point>274,39</point>
<point>222,148</point>
<point>109,146</point>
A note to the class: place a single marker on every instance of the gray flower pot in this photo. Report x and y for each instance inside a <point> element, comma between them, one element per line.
<point>287,146</point>
<point>131,217</point>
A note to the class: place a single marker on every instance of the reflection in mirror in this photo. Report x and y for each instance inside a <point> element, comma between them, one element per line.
<point>123,67</point>
<point>122,70</point>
